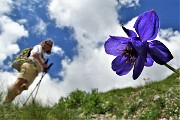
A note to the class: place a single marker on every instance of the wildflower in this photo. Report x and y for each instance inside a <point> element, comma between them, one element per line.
<point>139,49</point>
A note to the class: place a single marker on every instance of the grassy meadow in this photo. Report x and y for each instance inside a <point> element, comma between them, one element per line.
<point>154,101</point>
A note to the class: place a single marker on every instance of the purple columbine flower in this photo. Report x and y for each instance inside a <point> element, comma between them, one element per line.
<point>139,49</point>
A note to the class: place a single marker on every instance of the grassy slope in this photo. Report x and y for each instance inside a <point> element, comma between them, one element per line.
<point>154,101</point>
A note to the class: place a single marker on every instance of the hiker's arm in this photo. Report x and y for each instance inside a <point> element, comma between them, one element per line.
<point>37,56</point>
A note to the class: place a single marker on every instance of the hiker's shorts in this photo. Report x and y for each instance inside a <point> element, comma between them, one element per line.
<point>29,72</point>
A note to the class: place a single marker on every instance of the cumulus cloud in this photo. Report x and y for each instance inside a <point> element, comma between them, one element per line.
<point>22,21</point>
<point>128,3</point>
<point>40,27</point>
<point>83,17</point>
<point>171,39</point>
<point>57,50</point>
<point>5,6</point>
<point>8,77</point>
<point>10,32</point>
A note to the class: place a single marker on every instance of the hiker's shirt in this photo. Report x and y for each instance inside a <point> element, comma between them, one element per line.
<point>37,49</point>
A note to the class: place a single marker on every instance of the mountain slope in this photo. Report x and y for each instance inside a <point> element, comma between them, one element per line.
<point>155,100</point>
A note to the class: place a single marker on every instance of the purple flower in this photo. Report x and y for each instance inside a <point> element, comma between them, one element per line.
<point>139,49</point>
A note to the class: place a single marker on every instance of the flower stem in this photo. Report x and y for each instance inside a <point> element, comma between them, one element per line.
<point>171,68</point>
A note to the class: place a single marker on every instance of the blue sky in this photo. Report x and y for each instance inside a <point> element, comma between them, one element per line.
<point>79,30</point>
<point>167,10</point>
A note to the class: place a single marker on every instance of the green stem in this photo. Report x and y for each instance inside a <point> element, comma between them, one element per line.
<point>171,68</point>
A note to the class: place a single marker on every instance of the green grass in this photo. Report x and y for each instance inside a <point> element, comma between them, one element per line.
<point>153,101</point>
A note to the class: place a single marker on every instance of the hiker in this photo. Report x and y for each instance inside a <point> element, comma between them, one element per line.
<point>29,69</point>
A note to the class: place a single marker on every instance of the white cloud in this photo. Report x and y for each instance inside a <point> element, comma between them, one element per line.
<point>84,18</point>
<point>6,79</point>
<point>171,40</point>
<point>10,32</point>
<point>22,21</point>
<point>5,6</point>
<point>57,50</point>
<point>40,27</point>
<point>129,3</point>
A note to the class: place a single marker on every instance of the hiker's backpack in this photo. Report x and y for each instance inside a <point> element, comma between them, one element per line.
<point>21,58</point>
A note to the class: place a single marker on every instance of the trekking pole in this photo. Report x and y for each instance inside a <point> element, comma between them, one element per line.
<point>38,84</point>
<point>41,80</point>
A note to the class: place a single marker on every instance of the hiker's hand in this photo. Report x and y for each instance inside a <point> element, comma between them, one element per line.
<point>36,55</point>
<point>45,66</point>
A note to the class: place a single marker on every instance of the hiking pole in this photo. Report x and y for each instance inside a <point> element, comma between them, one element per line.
<point>33,91</point>
<point>38,84</point>
<point>41,80</point>
<point>44,72</point>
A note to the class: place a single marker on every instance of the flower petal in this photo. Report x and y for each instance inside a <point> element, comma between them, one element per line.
<point>115,45</point>
<point>138,66</point>
<point>121,65</point>
<point>159,52</point>
<point>149,61</point>
<point>123,40</point>
<point>129,33</point>
<point>141,47</point>
<point>147,25</point>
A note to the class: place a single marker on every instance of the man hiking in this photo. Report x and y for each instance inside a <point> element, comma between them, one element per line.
<point>29,70</point>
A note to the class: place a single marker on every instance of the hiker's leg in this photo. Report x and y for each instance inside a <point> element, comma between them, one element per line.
<point>26,76</point>
<point>16,89</point>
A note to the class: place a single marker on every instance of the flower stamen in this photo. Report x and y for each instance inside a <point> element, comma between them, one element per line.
<point>129,53</point>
